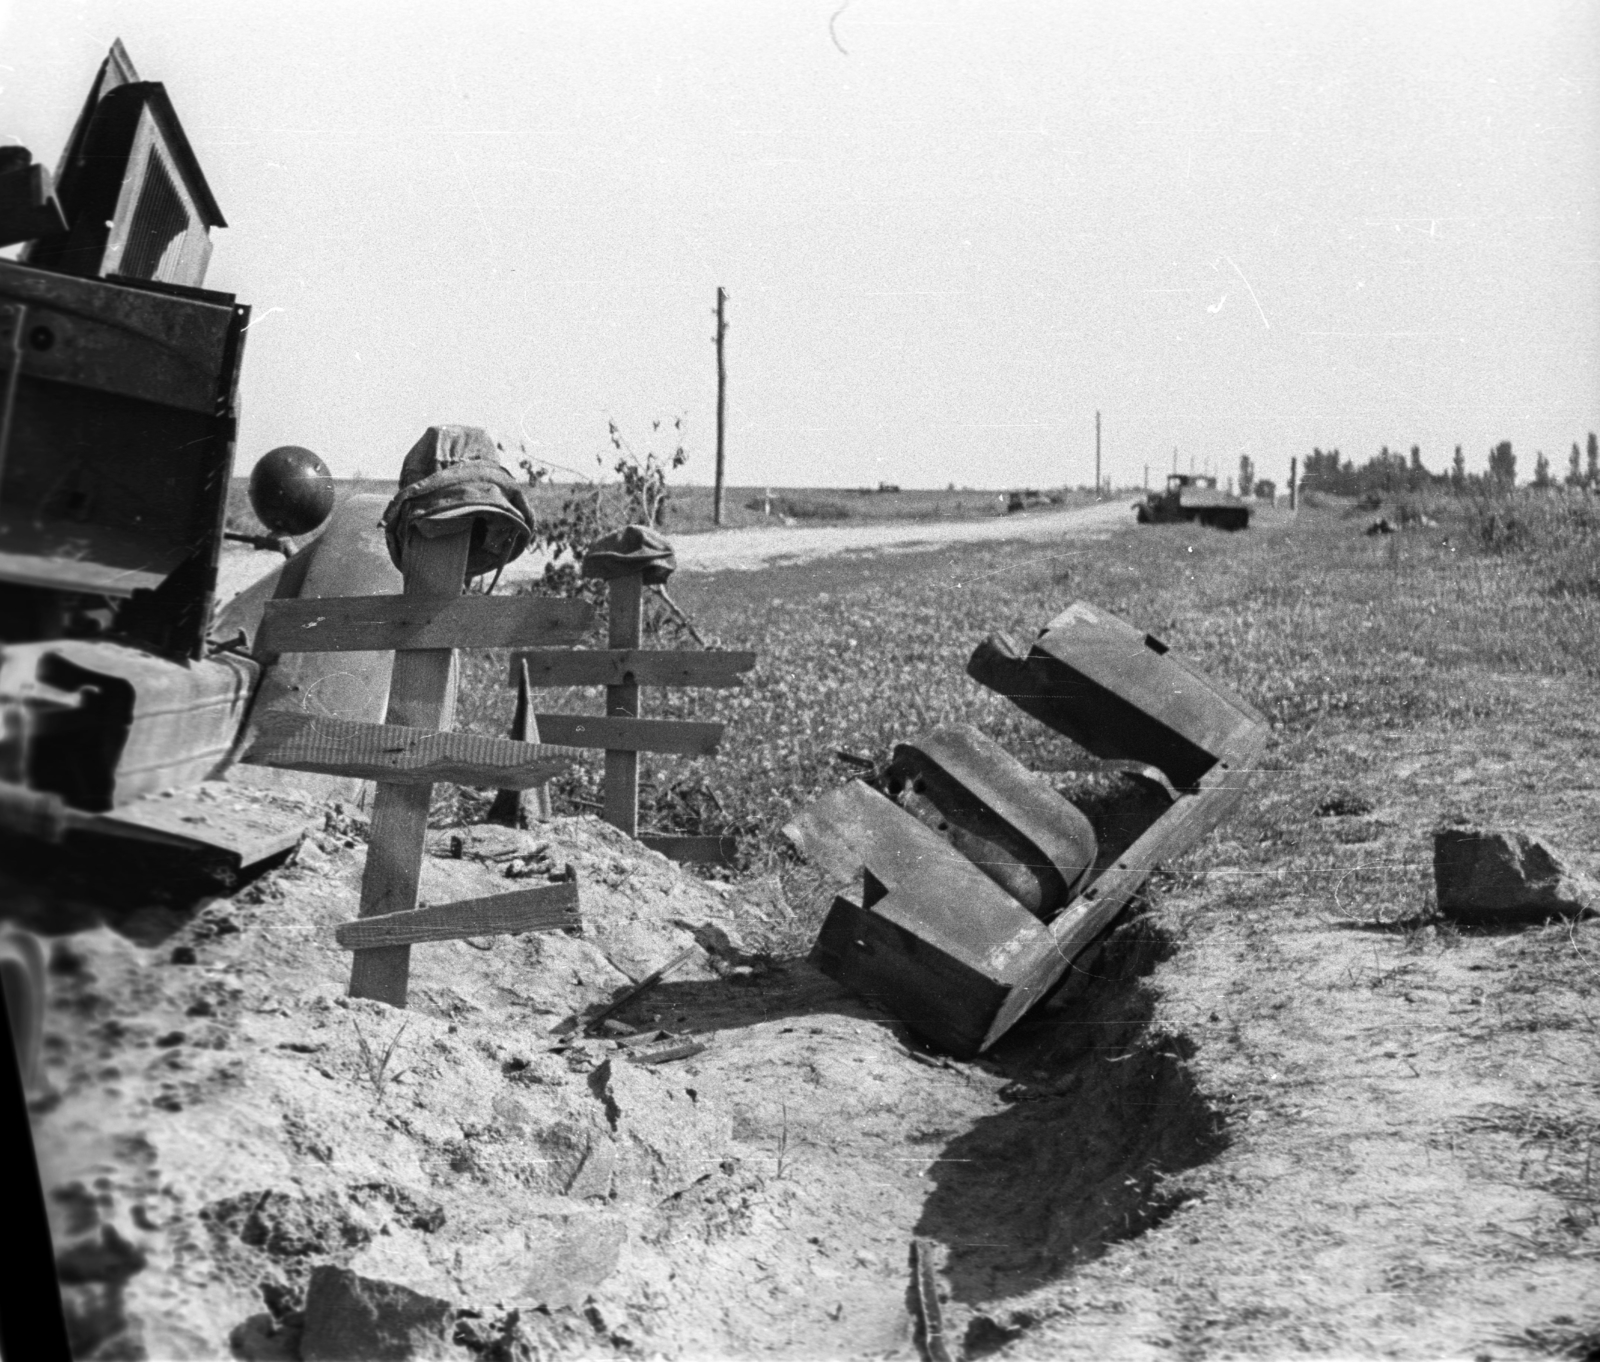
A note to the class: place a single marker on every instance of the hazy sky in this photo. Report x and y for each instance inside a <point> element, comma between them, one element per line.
<point>1231,227</point>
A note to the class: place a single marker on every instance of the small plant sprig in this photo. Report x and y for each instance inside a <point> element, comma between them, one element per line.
<point>376,1065</point>
<point>783,1145</point>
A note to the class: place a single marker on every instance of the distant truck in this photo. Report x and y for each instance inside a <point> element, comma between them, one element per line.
<point>1193,497</point>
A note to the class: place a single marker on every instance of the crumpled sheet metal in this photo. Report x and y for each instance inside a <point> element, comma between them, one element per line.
<point>932,939</point>
<point>1010,823</point>
<point>347,559</point>
<point>1119,693</point>
<point>947,950</point>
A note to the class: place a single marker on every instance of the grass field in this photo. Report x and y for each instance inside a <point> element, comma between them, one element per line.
<point>1307,618</point>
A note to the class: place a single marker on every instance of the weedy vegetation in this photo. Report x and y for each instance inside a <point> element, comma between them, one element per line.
<point>375,1063</point>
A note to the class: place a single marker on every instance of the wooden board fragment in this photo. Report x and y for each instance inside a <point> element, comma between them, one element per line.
<point>547,908</point>
<point>665,1054</point>
<point>644,666</point>
<point>401,755</point>
<point>353,624</point>
<point>693,850</point>
<point>630,735</point>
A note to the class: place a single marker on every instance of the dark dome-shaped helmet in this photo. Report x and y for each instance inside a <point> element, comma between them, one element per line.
<point>291,490</point>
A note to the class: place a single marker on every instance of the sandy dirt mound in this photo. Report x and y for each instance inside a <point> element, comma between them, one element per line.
<point>223,1123</point>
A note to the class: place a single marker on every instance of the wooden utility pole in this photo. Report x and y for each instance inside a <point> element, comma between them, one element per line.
<point>1294,480</point>
<point>722,405</point>
<point>1097,484</point>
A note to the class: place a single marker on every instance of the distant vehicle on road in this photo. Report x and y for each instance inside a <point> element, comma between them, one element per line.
<point>1193,497</point>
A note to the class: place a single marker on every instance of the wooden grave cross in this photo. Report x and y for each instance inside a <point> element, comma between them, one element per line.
<point>622,668</point>
<point>415,747</point>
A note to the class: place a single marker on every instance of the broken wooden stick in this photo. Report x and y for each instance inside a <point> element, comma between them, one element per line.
<point>642,987</point>
<point>930,1314</point>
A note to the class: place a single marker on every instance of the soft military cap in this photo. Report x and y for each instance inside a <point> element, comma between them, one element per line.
<point>632,549</point>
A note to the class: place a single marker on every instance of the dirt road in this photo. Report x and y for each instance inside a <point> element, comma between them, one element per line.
<point>750,549</point>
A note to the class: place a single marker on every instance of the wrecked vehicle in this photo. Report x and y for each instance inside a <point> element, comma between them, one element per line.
<point>980,884</point>
<point>120,681</point>
<point>1193,497</point>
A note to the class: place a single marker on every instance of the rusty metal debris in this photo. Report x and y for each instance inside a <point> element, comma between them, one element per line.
<point>980,883</point>
<point>1004,819</point>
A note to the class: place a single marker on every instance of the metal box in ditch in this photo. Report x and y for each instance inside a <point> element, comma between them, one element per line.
<point>979,892</point>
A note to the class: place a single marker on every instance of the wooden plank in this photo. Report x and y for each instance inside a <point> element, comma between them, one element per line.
<point>693,850</point>
<point>205,817</point>
<point>626,620</point>
<point>354,624</point>
<point>643,666</point>
<point>399,755</point>
<point>421,695</point>
<point>547,908</point>
<point>677,736</point>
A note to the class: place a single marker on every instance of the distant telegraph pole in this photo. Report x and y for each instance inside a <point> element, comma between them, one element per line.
<point>722,405</point>
<point>1097,454</point>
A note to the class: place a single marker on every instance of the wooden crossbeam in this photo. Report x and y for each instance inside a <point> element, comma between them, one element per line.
<point>400,755</point>
<point>620,734</point>
<point>353,624</point>
<point>638,666</point>
<point>547,908</point>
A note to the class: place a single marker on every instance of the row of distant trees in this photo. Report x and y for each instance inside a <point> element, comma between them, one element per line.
<point>1390,471</point>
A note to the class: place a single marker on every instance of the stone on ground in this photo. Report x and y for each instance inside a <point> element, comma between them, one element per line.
<point>349,1316</point>
<point>1486,876</point>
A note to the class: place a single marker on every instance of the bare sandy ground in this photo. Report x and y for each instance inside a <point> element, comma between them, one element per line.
<point>751,549</point>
